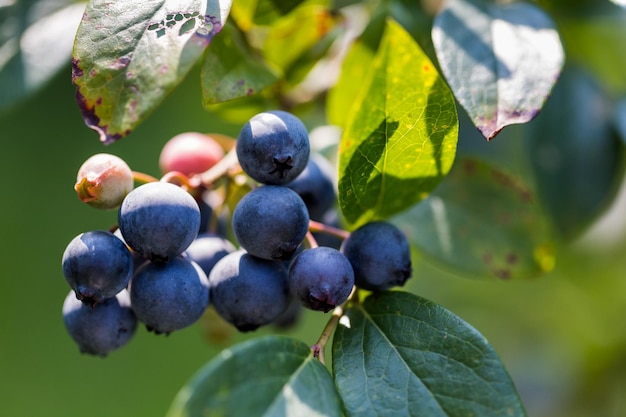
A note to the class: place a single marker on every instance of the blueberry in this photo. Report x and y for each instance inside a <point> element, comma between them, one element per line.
<point>169,296</point>
<point>316,187</point>
<point>321,278</point>
<point>102,328</point>
<point>273,147</point>
<point>248,292</point>
<point>97,265</point>
<point>159,220</point>
<point>270,222</point>
<point>380,255</point>
<point>207,249</point>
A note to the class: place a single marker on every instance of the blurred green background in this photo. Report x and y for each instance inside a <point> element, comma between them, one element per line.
<point>562,336</point>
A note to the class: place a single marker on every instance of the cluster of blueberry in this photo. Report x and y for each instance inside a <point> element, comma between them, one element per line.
<point>162,268</point>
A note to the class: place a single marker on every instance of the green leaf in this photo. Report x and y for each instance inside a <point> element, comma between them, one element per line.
<point>242,12</point>
<point>400,139</point>
<point>295,33</point>
<point>129,55</point>
<point>596,42</point>
<point>400,355</point>
<point>35,44</point>
<point>268,11</point>
<point>501,60</point>
<point>271,376</point>
<point>230,70</point>
<point>353,70</point>
<point>576,154</point>
<point>482,223</point>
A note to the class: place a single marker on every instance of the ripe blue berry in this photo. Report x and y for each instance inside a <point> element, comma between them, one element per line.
<point>273,147</point>
<point>380,255</point>
<point>247,291</point>
<point>316,187</point>
<point>207,249</point>
<point>159,220</point>
<point>270,222</point>
<point>169,296</point>
<point>321,278</point>
<point>97,265</point>
<point>102,328</point>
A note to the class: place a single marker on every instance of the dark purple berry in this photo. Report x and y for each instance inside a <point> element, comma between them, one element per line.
<point>169,296</point>
<point>273,147</point>
<point>159,220</point>
<point>380,255</point>
<point>102,328</point>
<point>248,292</point>
<point>321,278</point>
<point>270,222</point>
<point>97,265</point>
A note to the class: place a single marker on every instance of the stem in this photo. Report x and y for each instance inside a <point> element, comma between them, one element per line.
<point>323,228</point>
<point>208,177</point>
<point>143,178</point>
<point>180,179</point>
<point>320,346</point>
<point>310,239</point>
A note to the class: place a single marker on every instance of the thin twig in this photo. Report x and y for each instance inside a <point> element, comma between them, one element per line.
<point>324,228</point>
<point>320,346</point>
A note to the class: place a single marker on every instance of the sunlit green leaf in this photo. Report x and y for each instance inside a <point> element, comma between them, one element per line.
<point>400,139</point>
<point>577,157</point>
<point>501,60</point>
<point>129,55</point>
<point>242,12</point>
<point>398,354</point>
<point>482,223</point>
<point>353,71</point>
<point>35,43</point>
<point>272,376</point>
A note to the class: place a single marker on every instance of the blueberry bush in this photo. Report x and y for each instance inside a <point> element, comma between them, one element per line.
<point>352,165</point>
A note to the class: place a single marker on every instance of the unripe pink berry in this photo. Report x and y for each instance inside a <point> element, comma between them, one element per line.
<point>103,181</point>
<point>190,153</point>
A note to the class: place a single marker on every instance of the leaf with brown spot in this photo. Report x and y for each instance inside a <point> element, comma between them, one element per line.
<point>128,56</point>
<point>501,60</point>
<point>483,223</point>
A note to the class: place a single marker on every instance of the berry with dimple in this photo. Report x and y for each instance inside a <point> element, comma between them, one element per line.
<point>190,153</point>
<point>248,292</point>
<point>97,265</point>
<point>103,181</point>
<point>169,296</point>
<point>102,328</point>
<point>380,255</point>
<point>321,278</point>
<point>273,147</point>
<point>159,220</point>
<point>270,222</point>
<point>316,187</point>
<point>207,249</point>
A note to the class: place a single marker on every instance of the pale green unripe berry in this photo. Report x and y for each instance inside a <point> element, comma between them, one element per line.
<point>103,181</point>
